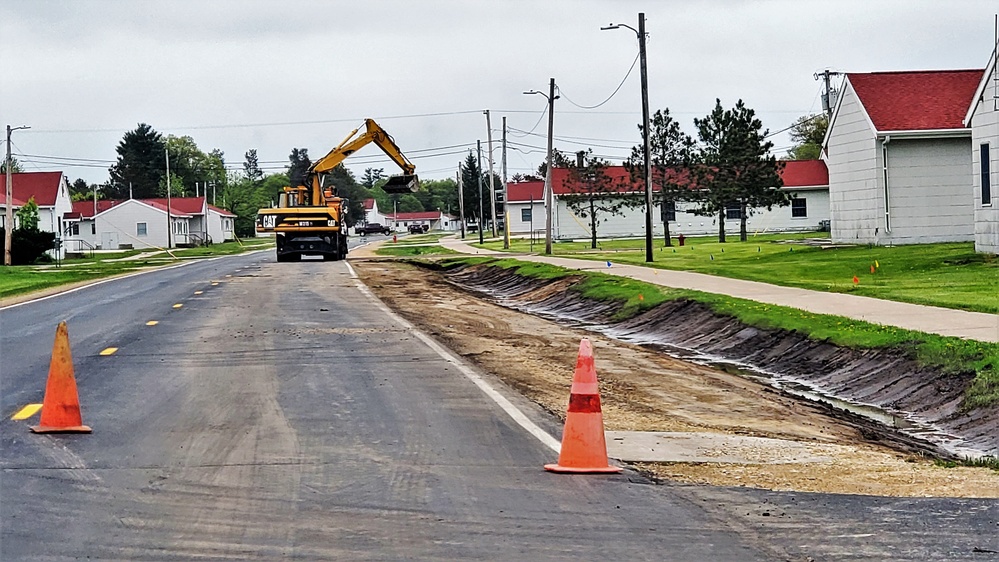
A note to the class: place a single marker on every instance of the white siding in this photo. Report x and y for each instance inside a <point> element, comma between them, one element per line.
<point>985,129</point>
<point>520,226</point>
<point>631,223</point>
<point>856,205</point>
<point>120,222</point>
<point>930,191</point>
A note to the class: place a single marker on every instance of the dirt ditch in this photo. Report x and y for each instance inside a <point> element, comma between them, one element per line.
<point>479,312</point>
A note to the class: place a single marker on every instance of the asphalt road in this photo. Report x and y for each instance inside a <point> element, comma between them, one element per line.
<point>280,414</point>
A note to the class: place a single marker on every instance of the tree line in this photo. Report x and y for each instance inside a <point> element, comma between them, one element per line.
<point>729,162</point>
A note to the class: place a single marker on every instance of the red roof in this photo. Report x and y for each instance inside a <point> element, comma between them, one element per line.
<point>420,216</point>
<point>185,205</point>
<point>525,191</point>
<point>922,100</point>
<point>43,186</point>
<point>85,209</point>
<point>369,204</point>
<point>804,173</point>
<point>222,212</point>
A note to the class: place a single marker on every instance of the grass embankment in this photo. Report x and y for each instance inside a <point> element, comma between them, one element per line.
<point>949,275</point>
<point>949,354</point>
<point>418,245</point>
<point>18,280</point>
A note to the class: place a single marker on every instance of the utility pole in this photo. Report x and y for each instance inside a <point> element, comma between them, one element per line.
<point>828,98</point>
<point>492,190</point>
<point>169,221</point>
<point>8,224</point>
<point>461,202</point>
<point>479,148</point>
<point>645,127</point>
<point>645,138</point>
<point>549,196</point>
<point>506,212</point>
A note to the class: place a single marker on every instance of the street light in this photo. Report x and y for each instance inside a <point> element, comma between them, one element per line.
<point>645,128</point>
<point>549,199</point>
<point>8,225</point>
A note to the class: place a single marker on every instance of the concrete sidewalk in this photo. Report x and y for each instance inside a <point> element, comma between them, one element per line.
<point>929,319</point>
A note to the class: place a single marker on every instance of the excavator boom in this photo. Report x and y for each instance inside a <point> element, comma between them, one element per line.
<point>407,182</point>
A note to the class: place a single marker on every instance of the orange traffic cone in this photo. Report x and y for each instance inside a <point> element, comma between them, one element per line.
<point>61,406</point>
<point>583,446</point>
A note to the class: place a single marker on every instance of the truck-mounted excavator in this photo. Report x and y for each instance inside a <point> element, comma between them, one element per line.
<point>310,219</point>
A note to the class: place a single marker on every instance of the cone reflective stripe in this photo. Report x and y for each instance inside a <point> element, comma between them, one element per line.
<point>61,405</point>
<point>584,448</point>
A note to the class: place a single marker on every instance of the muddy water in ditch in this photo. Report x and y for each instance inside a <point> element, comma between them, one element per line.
<point>584,317</point>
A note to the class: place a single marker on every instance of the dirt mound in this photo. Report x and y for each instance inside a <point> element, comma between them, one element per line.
<point>888,379</point>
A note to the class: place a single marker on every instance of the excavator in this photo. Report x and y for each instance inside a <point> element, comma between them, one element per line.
<point>310,219</point>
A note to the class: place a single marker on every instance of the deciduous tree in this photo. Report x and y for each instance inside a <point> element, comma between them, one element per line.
<point>808,132</point>
<point>594,195</point>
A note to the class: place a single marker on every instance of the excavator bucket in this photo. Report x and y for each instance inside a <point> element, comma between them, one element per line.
<point>405,183</point>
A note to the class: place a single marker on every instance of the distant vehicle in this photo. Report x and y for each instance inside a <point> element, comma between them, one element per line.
<point>372,228</point>
<point>419,228</point>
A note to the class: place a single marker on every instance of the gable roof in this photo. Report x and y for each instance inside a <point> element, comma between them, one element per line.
<point>85,209</point>
<point>43,186</point>
<point>987,76</point>
<point>916,100</point>
<point>369,204</point>
<point>805,173</point>
<point>525,191</point>
<point>222,212</point>
<point>185,205</point>
<point>417,216</point>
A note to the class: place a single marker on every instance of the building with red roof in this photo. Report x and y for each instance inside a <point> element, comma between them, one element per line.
<point>899,156</point>
<point>806,180</point>
<point>50,190</point>
<point>982,117</point>
<point>144,223</point>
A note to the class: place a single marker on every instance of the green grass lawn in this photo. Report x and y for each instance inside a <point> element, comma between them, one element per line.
<point>947,353</point>
<point>429,238</point>
<point>949,275</point>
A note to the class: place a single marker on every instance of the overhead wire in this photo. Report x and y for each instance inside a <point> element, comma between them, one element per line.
<point>614,93</point>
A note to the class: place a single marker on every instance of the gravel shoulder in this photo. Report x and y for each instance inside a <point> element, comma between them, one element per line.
<point>642,390</point>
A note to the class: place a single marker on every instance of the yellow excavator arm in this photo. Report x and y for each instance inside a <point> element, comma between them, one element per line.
<point>407,182</point>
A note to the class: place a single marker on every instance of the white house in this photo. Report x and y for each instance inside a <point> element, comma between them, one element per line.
<point>983,119</point>
<point>142,223</point>
<point>372,215</point>
<point>898,155</point>
<point>806,180</point>
<point>50,191</point>
<point>430,220</point>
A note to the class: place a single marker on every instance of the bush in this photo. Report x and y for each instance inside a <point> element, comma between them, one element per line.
<point>27,246</point>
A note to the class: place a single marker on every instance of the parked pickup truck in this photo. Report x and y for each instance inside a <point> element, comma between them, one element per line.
<point>372,228</point>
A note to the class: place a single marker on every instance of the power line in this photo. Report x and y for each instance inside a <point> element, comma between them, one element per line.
<point>614,93</point>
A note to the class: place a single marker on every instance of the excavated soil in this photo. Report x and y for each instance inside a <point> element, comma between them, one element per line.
<point>646,390</point>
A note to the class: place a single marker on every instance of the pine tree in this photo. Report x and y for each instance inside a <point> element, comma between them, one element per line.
<point>298,166</point>
<point>733,166</point>
<point>141,162</point>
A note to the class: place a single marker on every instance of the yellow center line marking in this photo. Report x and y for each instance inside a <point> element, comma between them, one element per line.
<point>27,411</point>
<point>198,292</point>
<point>152,322</point>
<point>215,283</point>
<point>228,275</point>
<point>109,351</point>
<point>178,305</point>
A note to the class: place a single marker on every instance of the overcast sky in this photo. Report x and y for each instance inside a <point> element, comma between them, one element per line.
<point>272,75</point>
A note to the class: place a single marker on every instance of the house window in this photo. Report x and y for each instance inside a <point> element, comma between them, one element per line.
<point>799,208</point>
<point>76,229</point>
<point>669,211</point>
<point>140,229</point>
<point>733,212</point>
<point>93,228</point>
<point>986,175</point>
<point>525,215</point>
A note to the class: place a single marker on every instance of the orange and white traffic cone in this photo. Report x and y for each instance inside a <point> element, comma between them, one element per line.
<point>583,446</point>
<point>61,405</point>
